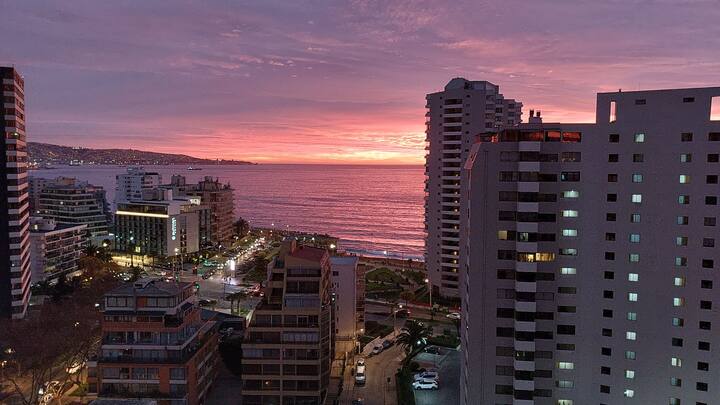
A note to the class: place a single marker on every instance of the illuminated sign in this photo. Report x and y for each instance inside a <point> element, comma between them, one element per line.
<point>173,228</point>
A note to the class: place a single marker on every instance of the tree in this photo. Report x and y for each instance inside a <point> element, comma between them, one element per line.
<point>241,228</point>
<point>413,338</point>
<point>407,296</point>
<point>236,298</point>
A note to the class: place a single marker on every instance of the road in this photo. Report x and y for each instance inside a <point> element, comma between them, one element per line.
<point>379,368</point>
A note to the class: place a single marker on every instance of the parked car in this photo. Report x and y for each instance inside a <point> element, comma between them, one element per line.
<point>386,343</point>
<point>453,316</point>
<point>360,362</point>
<point>427,375</point>
<point>425,385</point>
<point>402,313</point>
<point>432,350</point>
<point>360,375</point>
<point>376,350</point>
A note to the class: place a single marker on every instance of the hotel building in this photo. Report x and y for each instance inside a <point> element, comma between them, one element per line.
<point>289,344</point>
<point>589,264</point>
<point>155,345</point>
<point>454,118</point>
<point>160,224</point>
<point>130,185</point>
<point>14,206</point>
<point>72,202</point>
<point>55,249</point>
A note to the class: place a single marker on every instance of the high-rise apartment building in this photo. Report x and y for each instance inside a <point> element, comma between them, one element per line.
<point>348,286</point>
<point>589,256</point>
<point>454,118</point>
<point>155,345</point>
<point>289,344</point>
<point>221,200</point>
<point>55,249</point>
<point>14,206</point>
<point>130,185</point>
<point>72,202</point>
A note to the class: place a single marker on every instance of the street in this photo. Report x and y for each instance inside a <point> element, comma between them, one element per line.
<point>379,368</point>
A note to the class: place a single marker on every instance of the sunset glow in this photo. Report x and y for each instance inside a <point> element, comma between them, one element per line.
<point>331,82</point>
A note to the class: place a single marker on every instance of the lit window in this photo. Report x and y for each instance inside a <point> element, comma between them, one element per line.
<point>570,213</point>
<point>634,238</point>
<point>678,302</point>
<point>634,257</point>
<point>571,194</point>
<point>676,382</point>
<point>636,198</point>
<point>639,138</point>
<point>502,235</point>
<point>633,277</point>
<point>565,384</point>
<point>676,362</point>
<point>637,178</point>
<point>631,335</point>
<point>565,365</point>
<point>686,157</point>
<point>714,109</point>
<point>568,252</point>
<point>633,297</point>
<point>679,281</point>
<point>613,111</point>
<point>681,240</point>
<point>684,179</point>
<point>630,355</point>
<point>678,322</point>
<point>564,402</point>
<point>630,374</point>
<point>569,232</point>
<point>632,316</point>
<point>568,270</point>
<point>681,261</point>
<point>683,220</point>
<point>684,199</point>
<point>629,393</point>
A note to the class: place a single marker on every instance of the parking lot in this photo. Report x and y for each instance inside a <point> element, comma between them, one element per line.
<point>448,365</point>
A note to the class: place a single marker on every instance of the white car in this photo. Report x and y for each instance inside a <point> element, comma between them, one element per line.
<point>453,316</point>
<point>360,362</point>
<point>425,385</point>
<point>430,375</point>
<point>377,350</point>
<point>360,375</point>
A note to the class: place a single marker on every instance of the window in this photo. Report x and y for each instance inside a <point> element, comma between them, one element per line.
<point>637,178</point>
<point>702,366</point>
<point>630,355</point>
<point>711,179</point>
<point>708,242</point>
<point>686,137</point>
<point>679,281</point>
<point>605,370</point>
<point>639,138</point>
<point>630,335</point>
<point>609,275</point>
<point>632,297</point>
<point>676,382</point>
<point>681,261</point>
<point>610,216</point>
<point>605,389</point>
<point>681,240</point>
<point>704,346</point>
<point>714,136</point>
<point>678,302</point>
<point>612,178</point>
<point>609,255</point>
<point>634,257</point>
<point>568,252</point>
<point>564,384</point>
<point>607,332</point>
<point>684,199</point>
<point>611,197</point>
<point>571,194</point>
<point>688,99</point>
<point>679,322</point>
<point>633,277</point>
<point>629,374</point>
<point>632,316</point>
<point>709,221</point>
<point>613,158</point>
<point>684,179</point>
<point>683,220</point>
<point>564,402</point>
<point>707,284</point>
<point>628,393</point>
<point>634,238</point>
<point>568,270</point>
<point>614,138</point>
<point>713,157</point>
<point>610,236</point>
<point>569,176</point>
<point>708,263</point>
<point>569,213</point>
<point>638,157</point>
<point>565,365</point>
<point>569,232</point>
<point>676,362</point>
<point>701,386</point>
<point>613,111</point>
<point>635,218</point>
<point>710,200</point>
<point>686,157</point>
<point>636,198</point>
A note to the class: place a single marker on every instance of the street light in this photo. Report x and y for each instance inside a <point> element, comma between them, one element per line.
<point>427,280</point>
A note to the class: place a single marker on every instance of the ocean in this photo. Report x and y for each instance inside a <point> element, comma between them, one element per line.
<point>372,209</point>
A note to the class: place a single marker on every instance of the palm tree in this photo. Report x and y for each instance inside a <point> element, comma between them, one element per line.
<point>413,338</point>
<point>236,297</point>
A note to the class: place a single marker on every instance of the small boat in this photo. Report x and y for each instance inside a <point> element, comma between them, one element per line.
<point>194,168</point>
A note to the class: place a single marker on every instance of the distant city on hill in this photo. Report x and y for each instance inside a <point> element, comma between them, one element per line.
<point>45,154</point>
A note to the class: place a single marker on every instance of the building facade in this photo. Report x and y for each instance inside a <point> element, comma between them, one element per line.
<point>154,345</point>
<point>55,249</point>
<point>130,185</point>
<point>589,259</point>
<point>348,284</point>
<point>221,200</point>
<point>289,343</point>
<point>454,118</point>
<point>14,205</point>
<point>160,224</point>
<point>72,202</point>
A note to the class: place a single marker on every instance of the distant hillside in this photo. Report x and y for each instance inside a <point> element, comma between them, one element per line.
<point>45,153</point>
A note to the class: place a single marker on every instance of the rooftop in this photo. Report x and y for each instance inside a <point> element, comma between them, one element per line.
<point>309,253</point>
<point>150,287</point>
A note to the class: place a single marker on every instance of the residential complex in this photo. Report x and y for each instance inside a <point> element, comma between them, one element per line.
<point>454,118</point>
<point>14,206</point>
<point>221,200</point>
<point>589,264</point>
<point>348,286</point>
<point>160,224</point>
<point>55,249</point>
<point>154,345</point>
<point>288,346</point>
<point>130,185</point>
<point>72,202</point>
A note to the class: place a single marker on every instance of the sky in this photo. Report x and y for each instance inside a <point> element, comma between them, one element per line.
<point>340,81</point>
